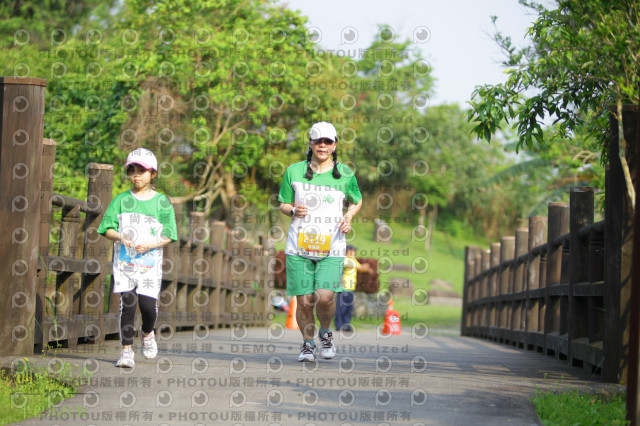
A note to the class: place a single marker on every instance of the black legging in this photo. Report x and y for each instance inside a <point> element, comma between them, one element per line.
<point>148,311</point>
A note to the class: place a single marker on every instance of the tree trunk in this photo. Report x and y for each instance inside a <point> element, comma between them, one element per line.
<point>623,159</point>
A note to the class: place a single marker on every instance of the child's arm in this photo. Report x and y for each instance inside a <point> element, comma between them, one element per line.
<point>364,267</point>
<point>142,248</point>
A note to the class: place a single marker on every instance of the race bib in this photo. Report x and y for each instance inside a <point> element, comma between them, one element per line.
<point>314,244</point>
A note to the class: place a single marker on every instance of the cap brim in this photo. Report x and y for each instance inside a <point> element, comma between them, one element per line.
<point>146,166</point>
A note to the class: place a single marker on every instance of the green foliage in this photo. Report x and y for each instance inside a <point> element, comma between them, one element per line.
<point>583,59</point>
<point>384,104</point>
<point>224,93</point>
<point>580,408</point>
<point>42,22</point>
<point>230,81</point>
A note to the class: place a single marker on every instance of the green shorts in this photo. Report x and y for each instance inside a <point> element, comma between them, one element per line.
<point>305,276</point>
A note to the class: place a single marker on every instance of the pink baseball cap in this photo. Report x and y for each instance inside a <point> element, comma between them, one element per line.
<point>143,157</point>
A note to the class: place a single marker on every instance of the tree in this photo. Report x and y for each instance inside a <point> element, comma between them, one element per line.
<point>24,22</point>
<point>222,85</point>
<point>215,88</point>
<point>584,59</point>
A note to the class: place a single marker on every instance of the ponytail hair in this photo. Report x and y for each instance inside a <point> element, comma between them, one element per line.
<point>309,174</point>
<point>336,174</point>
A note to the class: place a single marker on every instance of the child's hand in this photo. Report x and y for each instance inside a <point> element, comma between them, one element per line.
<point>142,248</point>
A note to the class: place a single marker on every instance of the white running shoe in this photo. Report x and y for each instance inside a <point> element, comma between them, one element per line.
<point>306,353</point>
<point>328,349</point>
<point>149,346</point>
<point>126,359</point>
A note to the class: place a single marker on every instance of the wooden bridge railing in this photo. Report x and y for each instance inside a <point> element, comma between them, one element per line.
<point>544,296</point>
<point>562,285</point>
<point>58,289</point>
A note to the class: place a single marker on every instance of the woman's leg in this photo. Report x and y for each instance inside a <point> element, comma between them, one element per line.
<point>305,317</point>
<point>300,279</point>
<point>339,317</point>
<point>325,307</point>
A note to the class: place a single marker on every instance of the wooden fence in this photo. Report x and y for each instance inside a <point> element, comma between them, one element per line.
<point>562,285</point>
<point>58,289</point>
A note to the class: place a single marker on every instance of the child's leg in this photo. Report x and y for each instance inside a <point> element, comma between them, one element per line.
<point>149,312</point>
<point>127,314</point>
<point>348,302</point>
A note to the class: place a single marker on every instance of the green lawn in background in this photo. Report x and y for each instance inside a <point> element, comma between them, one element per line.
<point>444,262</point>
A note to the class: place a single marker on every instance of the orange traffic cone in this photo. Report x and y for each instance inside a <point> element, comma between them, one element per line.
<point>391,323</point>
<point>291,315</point>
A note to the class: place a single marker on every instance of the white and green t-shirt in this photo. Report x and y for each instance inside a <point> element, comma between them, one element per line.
<point>142,221</point>
<point>318,235</point>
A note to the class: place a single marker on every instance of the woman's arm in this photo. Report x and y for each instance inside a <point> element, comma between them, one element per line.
<point>352,210</point>
<point>300,210</point>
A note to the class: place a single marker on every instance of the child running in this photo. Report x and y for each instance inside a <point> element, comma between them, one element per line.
<point>140,222</point>
<point>313,194</point>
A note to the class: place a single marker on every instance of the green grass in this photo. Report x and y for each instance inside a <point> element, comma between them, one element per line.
<point>444,262</point>
<point>579,408</point>
<point>30,391</point>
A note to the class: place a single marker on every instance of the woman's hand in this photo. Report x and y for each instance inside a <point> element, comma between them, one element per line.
<point>345,224</point>
<point>301,211</point>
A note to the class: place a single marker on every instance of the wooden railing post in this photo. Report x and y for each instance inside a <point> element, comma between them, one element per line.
<point>268,277</point>
<point>197,237</point>
<point>184,270</point>
<point>494,291</point>
<point>218,238</point>
<point>535,302</point>
<point>518,287</point>
<point>468,289</point>
<point>580,214</point>
<point>47,164</point>
<point>477,289</point>
<point>507,252</point>
<point>558,220</point>
<point>67,283</point>
<point>170,271</point>
<point>96,247</point>
<point>484,310</point>
<point>21,128</point>
<point>237,274</point>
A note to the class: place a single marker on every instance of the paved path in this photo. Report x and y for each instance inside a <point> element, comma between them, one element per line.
<point>242,376</point>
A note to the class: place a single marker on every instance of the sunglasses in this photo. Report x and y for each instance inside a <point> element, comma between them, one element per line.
<point>133,168</point>
<point>327,142</point>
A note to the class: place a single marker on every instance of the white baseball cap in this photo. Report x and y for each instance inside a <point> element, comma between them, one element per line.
<point>323,129</point>
<point>143,157</point>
